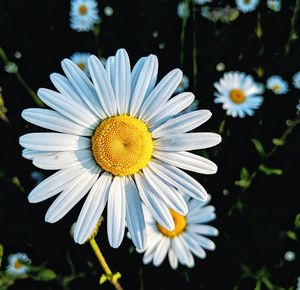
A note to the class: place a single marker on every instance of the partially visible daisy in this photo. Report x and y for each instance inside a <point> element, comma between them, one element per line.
<point>277,85</point>
<point>298,107</point>
<point>187,238</point>
<point>18,264</point>
<point>110,131</point>
<point>289,256</point>
<point>184,84</point>
<point>81,59</point>
<point>246,6</point>
<point>84,15</point>
<point>298,283</point>
<point>183,9</point>
<point>274,5</point>
<point>239,94</point>
<point>37,176</point>
<point>296,80</point>
<point>201,2</point>
<point>108,11</point>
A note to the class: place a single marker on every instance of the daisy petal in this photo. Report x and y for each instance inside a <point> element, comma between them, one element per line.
<point>110,70</point>
<point>122,83</point>
<point>182,124</point>
<point>72,195</point>
<point>178,178</point>
<point>54,121</point>
<point>180,248</point>
<point>203,230</point>
<point>150,250</point>
<point>161,251</point>
<point>169,194</point>
<point>187,142</point>
<point>30,154</point>
<point>154,202</point>
<point>171,108</point>
<point>83,86</point>
<point>194,246</point>
<point>54,142</point>
<point>145,80</point>
<point>103,86</point>
<point>67,107</point>
<point>92,209</point>
<point>64,86</point>
<point>172,259</point>
<point>202,241</point>
<point>64,159</point>
<point>187,161</point>
<point>116,210</point>
<point>160,94</point>
<point>134,215</point>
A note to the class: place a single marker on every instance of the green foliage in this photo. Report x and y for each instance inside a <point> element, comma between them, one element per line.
<point>292,235</point>
<point>1,254</point>
<point>244,181</point>
<point>270,171</point>
<point>297,221</point>
<point>278,142</point>
<point>259,147</point>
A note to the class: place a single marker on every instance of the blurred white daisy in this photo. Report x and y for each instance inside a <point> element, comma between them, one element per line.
<point>183,9</point>
<point>18,264</point>
<point>184,84</point>
<point>239,94</point>
<point>289,256</point>
<point>108,11</point>
<point>83,15</point>
<point>298,107</point>
<point>81,59</point>
<point>274,5</point>
<point>112,129</point>
<point>187,238</point>
<point>277,85</point>
<point>201,2</point>
<point>298,283</point>
<point>246,6</point>
<point>296,80</point>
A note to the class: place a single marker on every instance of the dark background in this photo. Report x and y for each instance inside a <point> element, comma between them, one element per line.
<point>256,236</point>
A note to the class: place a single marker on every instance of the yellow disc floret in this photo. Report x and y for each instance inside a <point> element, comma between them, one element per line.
<point>83,9</point>
<point>180,225</point>
<point>237,96</point>
<point>122,145</point>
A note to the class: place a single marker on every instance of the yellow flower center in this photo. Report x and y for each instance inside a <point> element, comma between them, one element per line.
<point>276,88</point>
<point>247,1</point>
<point>83,9</point>
<point>122,145</point>
<point>180,225</point>
<point>18,265</point>
<point>81,65</point>
<point>237,96</point>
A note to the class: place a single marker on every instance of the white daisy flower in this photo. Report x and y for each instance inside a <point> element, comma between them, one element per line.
<point>187,238</point>
<point>246,6</point>
<point>113,131</point>
<point>83,15</point>
<point>81,59</point>
<point>18,264</point>
<point>201,2</point>
<point>289,256</point>
<point>274,5</point>
<point>183,9</point>
<point>298,107</point>
<point>108,11</point>
<point>239,94</point>
<point>277,85</point>
<point>296,80</point>
<point>184,84</point>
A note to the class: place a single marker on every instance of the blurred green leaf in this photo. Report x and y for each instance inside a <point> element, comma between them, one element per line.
<point>259,147</point>
<point>297,221</point>
<point>278,142</point>
<point>1,254</point>
<point>270,171</point>
<point>259,71</point>
<point>221,127</point>
<point>292,235</point>
<point>45,275</point>
<point>245,178</point>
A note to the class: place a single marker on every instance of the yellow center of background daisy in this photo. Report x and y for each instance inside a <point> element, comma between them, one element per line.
<point>18,265</point>
<point>122,145</point>
<point>81,65</point>
<point>276,88</point>
<point>237,96</point>
<point>82,9</point>
<point>180,225</point>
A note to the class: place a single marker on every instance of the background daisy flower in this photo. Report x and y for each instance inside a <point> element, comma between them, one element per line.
<point>18,264</point>
<point>246,6</point>
<point>183,9</point>
<point>274,5</point>
<point>239,94</point>
<point>277,85</point>
<point>84,15</point>
<point>187,238</point>
<point>81,59</point>
<point>184,84</point>
<point>117,139</point>
<point>201,2</point>
<point>296,80</point>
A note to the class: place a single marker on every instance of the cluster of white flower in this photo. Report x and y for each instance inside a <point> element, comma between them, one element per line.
<point>120,139</point>
<point>18,264</point>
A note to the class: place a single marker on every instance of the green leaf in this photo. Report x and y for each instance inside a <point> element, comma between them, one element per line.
<point>259,71</point>
<point>292,235</point>
<point>259,147</point>
<point>270,171</point>
<point>245,178</point>
<point>103,279</point>
<point>1,254</point>
<point>278,142</point>
<point>45,275</point>
<point>221,127</point>
<point>297,221</point>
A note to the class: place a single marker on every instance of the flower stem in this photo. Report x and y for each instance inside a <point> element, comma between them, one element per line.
<point>183,29</point>
<point>112,278</point>
<point>21,80</point>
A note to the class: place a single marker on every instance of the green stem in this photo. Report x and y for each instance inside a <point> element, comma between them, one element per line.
<point>195,67</point>
<point>21,80</point>
<point>96,32</point>
<point>183,30</point>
